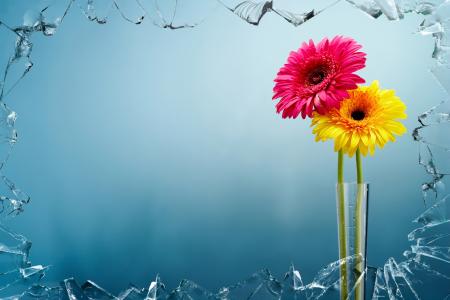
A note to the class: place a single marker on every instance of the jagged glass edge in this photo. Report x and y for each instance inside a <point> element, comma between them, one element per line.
<point>430,241</point>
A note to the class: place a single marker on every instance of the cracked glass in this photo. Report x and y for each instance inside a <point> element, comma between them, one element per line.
<point>422,271</point>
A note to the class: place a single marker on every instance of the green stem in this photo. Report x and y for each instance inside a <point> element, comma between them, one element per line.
<point>340,167</point>
<point>342,229</point>
<point>359,175</point>
<point>358,246</point>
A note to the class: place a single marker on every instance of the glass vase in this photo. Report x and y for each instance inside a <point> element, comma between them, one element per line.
<point>352,213</point>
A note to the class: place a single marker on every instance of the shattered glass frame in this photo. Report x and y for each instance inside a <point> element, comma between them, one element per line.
<point>428,259</point>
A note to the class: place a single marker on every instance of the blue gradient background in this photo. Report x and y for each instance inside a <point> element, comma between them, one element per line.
<point>151,151</point>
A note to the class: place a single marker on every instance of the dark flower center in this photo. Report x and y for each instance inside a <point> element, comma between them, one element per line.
<point>358,115</point>
<point>316,76</point>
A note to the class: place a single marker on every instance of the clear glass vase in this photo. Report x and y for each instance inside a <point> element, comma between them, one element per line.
<point>352,213</point>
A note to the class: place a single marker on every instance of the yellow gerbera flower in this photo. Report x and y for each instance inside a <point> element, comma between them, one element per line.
<point>368,117</point>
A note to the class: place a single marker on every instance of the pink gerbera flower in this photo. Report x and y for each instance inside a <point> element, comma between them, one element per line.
<point>317,77</point>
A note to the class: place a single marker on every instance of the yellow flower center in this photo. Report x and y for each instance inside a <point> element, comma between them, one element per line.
<point>358,111</point>
<point>358,115</point>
